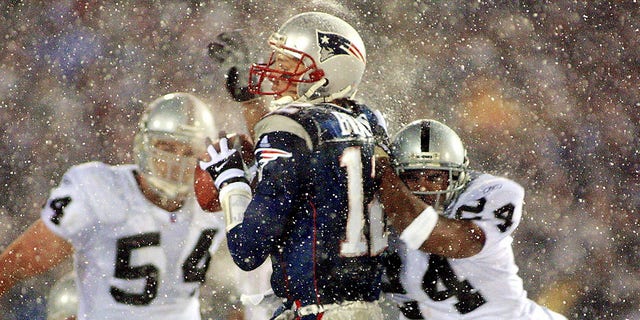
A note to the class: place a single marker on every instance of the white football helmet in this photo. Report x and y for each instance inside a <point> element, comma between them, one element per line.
<point>62,300</point>
<point>175,119</point>
<point>331,55</point>
<point>431,145</point>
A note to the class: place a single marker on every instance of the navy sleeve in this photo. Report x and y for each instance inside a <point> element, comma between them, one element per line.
<point>379,129</point>
<point>279,155</point>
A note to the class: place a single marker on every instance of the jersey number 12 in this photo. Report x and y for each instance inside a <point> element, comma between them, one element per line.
<point>355,243</point>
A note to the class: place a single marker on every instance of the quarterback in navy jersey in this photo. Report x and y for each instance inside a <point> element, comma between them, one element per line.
<point>313,210</point>
<point>315,181</point>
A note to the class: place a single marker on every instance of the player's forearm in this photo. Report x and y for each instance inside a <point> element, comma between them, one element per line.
<point>11,271</point>
<point>454,239</point>
<point>247,250</point>
<point>37,250</point>
<point>251,241</point>
<point>450,238</point>
<point>400,205</point>
<point>7,279</point>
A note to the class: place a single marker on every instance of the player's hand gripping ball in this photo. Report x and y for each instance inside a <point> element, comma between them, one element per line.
<point>203,184</point>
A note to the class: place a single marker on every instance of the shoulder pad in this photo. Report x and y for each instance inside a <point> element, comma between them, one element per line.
<point>282,121</point>
<point>93,177</point>
<point>89,170</point>
<point>492,201</point>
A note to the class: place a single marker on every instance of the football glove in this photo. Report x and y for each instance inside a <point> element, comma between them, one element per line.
<point>225,166</point>
<point>231,52</point>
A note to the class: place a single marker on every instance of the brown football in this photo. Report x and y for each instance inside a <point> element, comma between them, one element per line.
<point>206,191</point>
<point>203,186</point>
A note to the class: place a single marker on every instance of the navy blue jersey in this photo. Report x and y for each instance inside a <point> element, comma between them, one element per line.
<point>314,208</point>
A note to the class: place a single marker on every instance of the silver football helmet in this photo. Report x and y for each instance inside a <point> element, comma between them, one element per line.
<point>171,135</point>
<point>431,145</point>
<point>331,55</point>
<point>62,299</point>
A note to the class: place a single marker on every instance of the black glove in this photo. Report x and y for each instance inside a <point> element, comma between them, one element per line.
<point>225,166</point>
<point>231,52</point>
<point>238,88</point>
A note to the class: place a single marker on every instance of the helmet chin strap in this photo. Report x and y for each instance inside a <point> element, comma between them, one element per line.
<point>279,103</point>
<point>336,95</point>
<point>306,97</point>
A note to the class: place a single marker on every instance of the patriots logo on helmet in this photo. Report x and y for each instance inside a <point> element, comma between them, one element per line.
<point>333,44</point>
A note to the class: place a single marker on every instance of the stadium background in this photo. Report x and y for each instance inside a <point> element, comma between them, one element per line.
<point>544,92</point>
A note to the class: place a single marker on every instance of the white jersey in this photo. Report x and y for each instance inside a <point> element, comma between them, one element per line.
<point>486,285</point>
<point>133,259</point>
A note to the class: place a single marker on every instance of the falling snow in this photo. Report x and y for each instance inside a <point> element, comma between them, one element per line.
<point>544,92</point>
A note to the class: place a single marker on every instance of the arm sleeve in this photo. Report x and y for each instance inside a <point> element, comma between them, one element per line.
<point>66,212</point>
<point>379,128</point>
<point>279,155</point>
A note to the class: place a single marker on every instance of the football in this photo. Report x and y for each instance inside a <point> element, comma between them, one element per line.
<point>203,185</point>
<point>206,191</point>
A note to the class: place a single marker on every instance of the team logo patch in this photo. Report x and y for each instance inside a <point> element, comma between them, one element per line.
<point>266,155</point>
<point>333,44</point>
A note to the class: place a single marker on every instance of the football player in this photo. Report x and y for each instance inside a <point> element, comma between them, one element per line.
<point>310,210</point>
<point>141,244</point>
<point>62,300</point>
<point>463,266</point>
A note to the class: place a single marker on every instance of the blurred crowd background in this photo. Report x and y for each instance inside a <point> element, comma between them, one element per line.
<point>544,92</point>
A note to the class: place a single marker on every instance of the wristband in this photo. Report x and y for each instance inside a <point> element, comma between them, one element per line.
<point>227,175</point>
<point>419,230</point>
<point>234,199</point>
